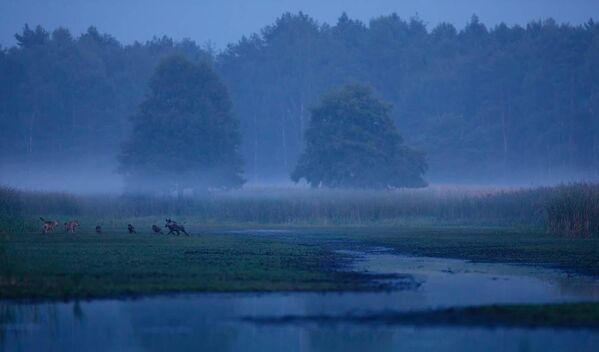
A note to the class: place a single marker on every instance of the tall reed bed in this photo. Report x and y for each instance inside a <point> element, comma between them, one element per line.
<point>11,210</point>
<point>568,209</point>
<point>324,206</point>
<point>573,209</point>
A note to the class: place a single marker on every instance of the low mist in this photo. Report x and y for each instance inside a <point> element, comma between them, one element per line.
<point>96,176</point>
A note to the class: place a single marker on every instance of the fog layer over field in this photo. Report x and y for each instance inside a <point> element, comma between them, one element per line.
<point>94,176</point>
<point>87,178</point>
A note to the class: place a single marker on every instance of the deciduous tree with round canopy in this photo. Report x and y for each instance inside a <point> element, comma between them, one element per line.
<point>353,142</point>
<point>184,134</point>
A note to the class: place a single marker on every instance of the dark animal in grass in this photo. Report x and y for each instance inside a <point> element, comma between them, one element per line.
<point>48,225</point>
<point>98,229</point>
<point>71,226</point>
<point>157,229</point>
<point>175,228</point>
<point>131,228</point>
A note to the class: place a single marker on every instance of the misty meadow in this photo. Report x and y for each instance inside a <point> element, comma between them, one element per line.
<point>355,185</point>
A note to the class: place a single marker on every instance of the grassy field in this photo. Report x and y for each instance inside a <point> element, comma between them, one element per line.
<point>214,259</point>
<point>90,265</point>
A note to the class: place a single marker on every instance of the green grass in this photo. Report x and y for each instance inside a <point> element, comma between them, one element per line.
<point>90,265</point>
<point>115,263</point>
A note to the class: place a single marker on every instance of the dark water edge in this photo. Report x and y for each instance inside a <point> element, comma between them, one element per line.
<point>192,332</point>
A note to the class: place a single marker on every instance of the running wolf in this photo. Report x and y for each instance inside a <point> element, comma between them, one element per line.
<point>71,226</point>
<point>48,226</point>
<point>175,228</point>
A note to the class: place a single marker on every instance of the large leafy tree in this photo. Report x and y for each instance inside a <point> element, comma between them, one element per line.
<point>353,142</point>
<point>184,135</point>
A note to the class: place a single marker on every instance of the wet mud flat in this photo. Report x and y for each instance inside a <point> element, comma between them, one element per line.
<point>316,321</point>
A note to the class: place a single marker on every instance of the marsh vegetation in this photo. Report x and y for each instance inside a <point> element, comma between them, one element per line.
<point>571,210</point>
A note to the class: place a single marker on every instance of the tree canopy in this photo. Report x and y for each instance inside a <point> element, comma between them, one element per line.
<point>486,104</point>
<point>183,135</point>
<point>352,142</point>
<point>499,104</point>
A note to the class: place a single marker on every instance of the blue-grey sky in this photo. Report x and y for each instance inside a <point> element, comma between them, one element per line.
<point>225,21</point>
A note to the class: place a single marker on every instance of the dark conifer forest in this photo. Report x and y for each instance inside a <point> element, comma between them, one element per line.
<point>483,104</point>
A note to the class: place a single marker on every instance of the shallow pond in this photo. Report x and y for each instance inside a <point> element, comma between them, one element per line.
<point>213,322</point>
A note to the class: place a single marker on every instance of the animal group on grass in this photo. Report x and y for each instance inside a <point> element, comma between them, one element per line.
<point>71,226</point>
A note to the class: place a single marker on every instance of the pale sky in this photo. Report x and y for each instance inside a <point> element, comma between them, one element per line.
<point>225,21</point>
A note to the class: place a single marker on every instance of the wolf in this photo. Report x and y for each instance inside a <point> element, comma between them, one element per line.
<point>175,228</point>
<point>156,229</point>
<point>71,226</point>
<point>131,228</point>
<point>48,226</point>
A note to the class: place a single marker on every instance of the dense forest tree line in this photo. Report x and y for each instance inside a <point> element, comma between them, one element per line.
<point>483,103</point>
<point>69,98</point>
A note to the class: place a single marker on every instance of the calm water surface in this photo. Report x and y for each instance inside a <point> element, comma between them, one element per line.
<point>213,322</point>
